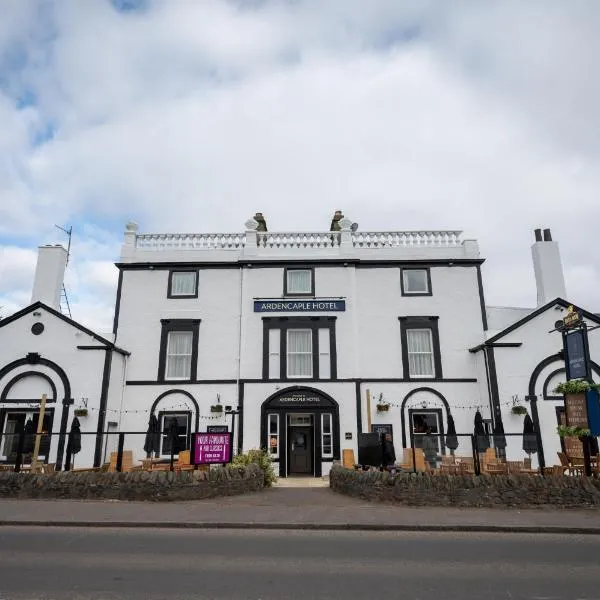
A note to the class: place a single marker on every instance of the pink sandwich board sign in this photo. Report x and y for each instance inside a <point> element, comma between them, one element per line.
<point>212,448</point>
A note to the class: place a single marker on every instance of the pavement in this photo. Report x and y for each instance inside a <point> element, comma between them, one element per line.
<point>287,507</point>
<point>67,563</point>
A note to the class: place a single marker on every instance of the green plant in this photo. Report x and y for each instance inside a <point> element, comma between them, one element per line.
<point>81,412</point>
<point>383,407</point>
<point>216,408</point>
<point>518,410</point>
<point>575,386</point>
<point>572,431</point>
<point>260,458</point>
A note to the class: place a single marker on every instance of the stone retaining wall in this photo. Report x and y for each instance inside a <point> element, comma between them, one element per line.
<point>422,489</point>
<point>138,485</point>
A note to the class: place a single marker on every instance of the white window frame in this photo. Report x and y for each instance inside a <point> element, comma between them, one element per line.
<point>325,417</point>
<point>405,287</point>
<point>287,352</point>
<point>191,294</point>
<point>164,432</point>
<point>168,355</point>
<point>273,435</point>
<point>305,292</point>
<point>431,353</point>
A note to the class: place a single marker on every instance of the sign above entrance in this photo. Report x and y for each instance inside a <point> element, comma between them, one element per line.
<point>316,305</point>
<point>300,399</point>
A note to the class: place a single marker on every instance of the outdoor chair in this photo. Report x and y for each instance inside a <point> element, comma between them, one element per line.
<point>184,461</point>
<point>126,464</point>
<point>419,460</point>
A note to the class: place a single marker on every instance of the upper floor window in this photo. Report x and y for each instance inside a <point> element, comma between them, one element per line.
<point>183,284</point>
<point>299,353</point>
<point>178,349</point>
<point>421,356</point>
<point>416,282</point>
<point>299,282</point>
<point>420,353</point>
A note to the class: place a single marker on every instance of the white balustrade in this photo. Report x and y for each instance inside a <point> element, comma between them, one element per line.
<point>267,239</point>
<point>398,239</point>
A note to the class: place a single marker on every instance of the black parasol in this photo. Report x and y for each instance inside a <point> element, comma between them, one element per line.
<point>529,437</point>
<point>482,441</point>
<point>152,443</point>
<point>451,439</point>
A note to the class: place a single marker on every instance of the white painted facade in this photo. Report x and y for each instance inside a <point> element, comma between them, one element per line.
<point>239,354</point>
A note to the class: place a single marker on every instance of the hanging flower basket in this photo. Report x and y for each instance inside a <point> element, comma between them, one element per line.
<point>575,386</point>
<point>577,432</point>
<point>518,410</point>
<point>81,412</point>
<point>383,407</point>
<point>216,408</point>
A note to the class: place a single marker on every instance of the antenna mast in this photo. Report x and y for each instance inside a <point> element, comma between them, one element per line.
<point>65,307</point>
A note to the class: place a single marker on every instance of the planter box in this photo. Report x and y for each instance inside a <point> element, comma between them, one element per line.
<point>217,408</point>
<point>81,412</point>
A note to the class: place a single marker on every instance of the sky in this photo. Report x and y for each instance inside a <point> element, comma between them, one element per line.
<point>191,116</point>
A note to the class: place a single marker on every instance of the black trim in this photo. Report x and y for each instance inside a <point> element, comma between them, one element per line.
<point>558,357</point>
<point>102,408</point>
<point>431,323</point>
<point>532,315</point>
<point>170,284</point>
<point>23,375</point>
<point>58,315</point>
<point>195,381</point>
<point>184,393</point>
<point>484,320</point>
<point>240,439</point>
<point>545,395</point>
<point>299,322</point>
<point>91,348</point>
<point>407,398</point>
<point>303,381</point>
<point>441,440</point>
<point>258,263</point>
<point>429,291</point>
<point>118,304</point>
<point>358,407</point>
<point>538,434</point>
<point>495,345</point>
<point>169,325</point>
<point>163,433</point>
<point>494,392</point>
<point>299,268</point>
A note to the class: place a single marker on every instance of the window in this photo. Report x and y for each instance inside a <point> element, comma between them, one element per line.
<point>183,284</point>
<point>424,421</point>
<point>420,353</point>
<point>326,436</point>
<point>299,353</point>
<point>298,282</point>
<point>273,421</point>
<point>178,350</point>
<point>175,429</point>
<point>416,282</point>
<point>299,347</point>
<point>420,339</point>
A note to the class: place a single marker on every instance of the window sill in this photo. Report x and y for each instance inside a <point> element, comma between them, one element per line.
<point>191,296</point>
<point>417,294</point>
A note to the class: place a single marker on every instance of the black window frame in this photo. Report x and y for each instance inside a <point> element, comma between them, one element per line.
<point>412,322</point>
<point>164,433</point>
<point>170,294</point>
<point>299,322</point>
<point>301,294</point>
<point>404,292</point>
<point>169,325</point>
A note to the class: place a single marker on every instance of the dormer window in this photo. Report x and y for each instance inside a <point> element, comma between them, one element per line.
<point>299,282</point>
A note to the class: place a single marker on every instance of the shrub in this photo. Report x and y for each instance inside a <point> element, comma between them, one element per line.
<point>575,386</point>
<point>260,458</point>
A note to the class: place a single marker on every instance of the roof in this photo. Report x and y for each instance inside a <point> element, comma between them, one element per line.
<point>532,315</point>
<point>25,311</point>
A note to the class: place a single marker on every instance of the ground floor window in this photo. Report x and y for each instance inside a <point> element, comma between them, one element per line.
<point>326,435</point>
<point>423,421</point>
<point>273,420</point>
<point>180,423</point>
<point>13,423</point>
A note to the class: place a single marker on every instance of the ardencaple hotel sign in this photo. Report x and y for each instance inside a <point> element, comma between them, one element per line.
<point>317,305</point>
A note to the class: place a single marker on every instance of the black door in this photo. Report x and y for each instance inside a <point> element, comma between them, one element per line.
<point>300,450</point>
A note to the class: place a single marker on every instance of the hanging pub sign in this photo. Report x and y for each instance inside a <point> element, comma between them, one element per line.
<point>576,407</point>
<point>211,448</point>
<point>572,318</point>
<point>576,354</point>
<point>316,305</point>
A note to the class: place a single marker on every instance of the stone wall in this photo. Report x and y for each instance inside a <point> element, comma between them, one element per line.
<point>154,486</point>
<point>423,489</point>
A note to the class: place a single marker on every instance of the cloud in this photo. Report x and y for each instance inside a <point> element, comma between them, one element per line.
<point>191,116</point>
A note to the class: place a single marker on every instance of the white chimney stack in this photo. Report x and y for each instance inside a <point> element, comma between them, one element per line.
<point>549,277</point>
<point>49,275</point>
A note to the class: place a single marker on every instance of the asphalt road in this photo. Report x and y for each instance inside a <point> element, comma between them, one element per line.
<point>67,564</point>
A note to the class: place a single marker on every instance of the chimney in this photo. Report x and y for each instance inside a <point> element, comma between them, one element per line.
<point>49,275</point>
<point>547,266</point>
<point>262,224</point>
<point>335,222</point>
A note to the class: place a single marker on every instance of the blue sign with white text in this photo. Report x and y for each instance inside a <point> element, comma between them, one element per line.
<point>593,411</point>
<point>575,355</point>
<point>299,305</point>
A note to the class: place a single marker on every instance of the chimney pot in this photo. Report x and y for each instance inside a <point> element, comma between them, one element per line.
<point>335,222</point>
<point>547,235</point>
<point>538,235</point>
<point>262,223</point>
<point>49,275</point>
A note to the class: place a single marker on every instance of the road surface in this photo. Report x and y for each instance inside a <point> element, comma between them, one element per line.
<point>148,564</point>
